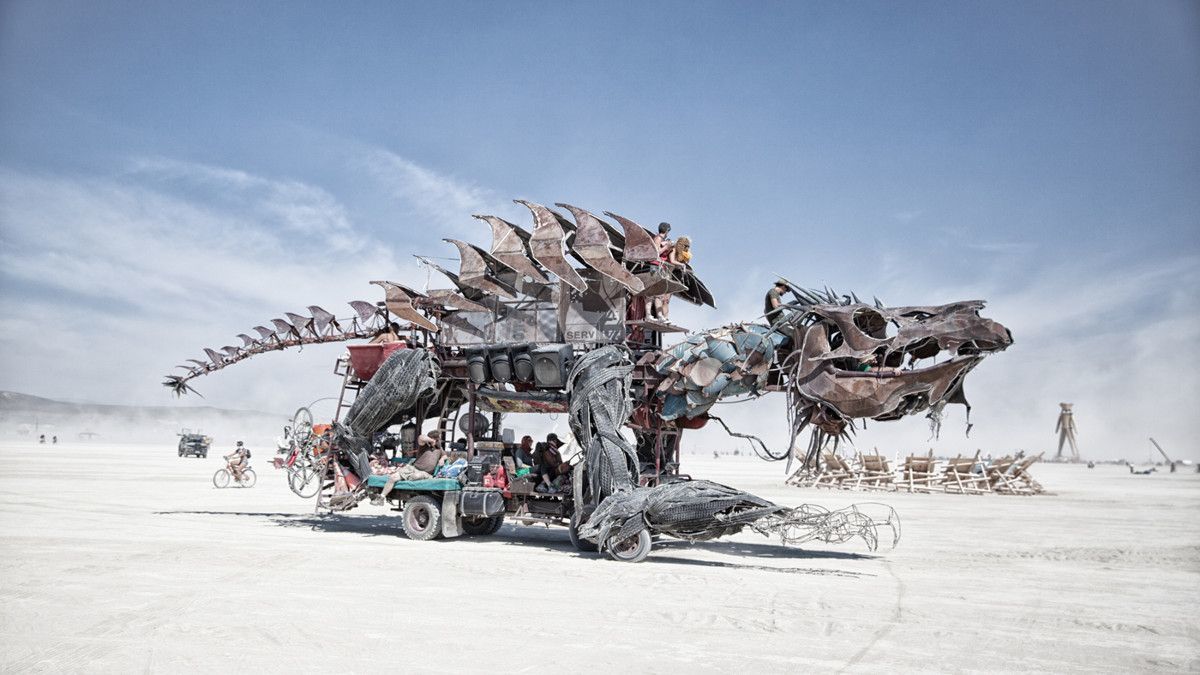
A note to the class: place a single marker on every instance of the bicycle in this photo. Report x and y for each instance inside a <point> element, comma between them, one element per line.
<point>224,476</point>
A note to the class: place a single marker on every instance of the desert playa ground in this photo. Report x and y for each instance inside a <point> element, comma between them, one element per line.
<point>118,559</point>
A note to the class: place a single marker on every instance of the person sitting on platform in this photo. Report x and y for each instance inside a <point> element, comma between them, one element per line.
<point>550,465</point>
<point>387,334</point>
<point>524,453</point>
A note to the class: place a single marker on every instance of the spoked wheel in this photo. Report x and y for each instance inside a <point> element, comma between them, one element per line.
<point>422,519</point>
<point>249,478</point>
<point>302,424</point>
<point>304,478</point>
<point>632,549</point>
<point>221,478</point>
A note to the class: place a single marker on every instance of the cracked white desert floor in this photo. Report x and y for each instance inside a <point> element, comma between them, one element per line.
<point>126,558</point>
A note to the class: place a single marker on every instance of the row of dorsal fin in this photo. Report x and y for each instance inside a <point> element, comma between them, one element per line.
<point>626,253</point>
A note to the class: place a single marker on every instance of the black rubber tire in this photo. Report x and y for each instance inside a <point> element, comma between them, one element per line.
<point>249,478</point>
<point>221,478</point>
<point>181,453</point>
<point>634,549</point>
<point>422,518</point>
<point>496,523</point>
<point>577,541</point>
<point>477,526</point>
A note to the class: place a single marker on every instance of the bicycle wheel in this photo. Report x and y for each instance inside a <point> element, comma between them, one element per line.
<point>221,478</point>
<point>304,481</point>
<point>249,478</point>
<point>302,425</point>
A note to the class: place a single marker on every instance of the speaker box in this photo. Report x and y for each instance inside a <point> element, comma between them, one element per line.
<point>477,367</point>
<point>523,367</point>
<point>501,367</point>
<point>551,365</point>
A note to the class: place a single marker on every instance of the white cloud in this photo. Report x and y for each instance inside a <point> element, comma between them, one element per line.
<point>444,203</point>
<point>110,282</point>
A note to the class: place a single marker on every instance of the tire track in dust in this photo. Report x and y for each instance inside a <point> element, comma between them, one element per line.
<point>882,632</point>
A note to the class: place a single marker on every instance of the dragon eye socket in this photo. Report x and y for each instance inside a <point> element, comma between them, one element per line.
<point>919,316</point>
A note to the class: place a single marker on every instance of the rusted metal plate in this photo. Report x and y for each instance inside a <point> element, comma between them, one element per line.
<point>284,328</point>
<point>592,244</point>
<point>450,298</point>
<point>303,324</point>
<point>468,292</point>
<point>639,244</point>
<point>216,358</point>
<point>401,304</point>
<point>321,319</point>
<point>491,400</point>
<point>547,243</point>
<point>366,311</point>
<point>474,271</point>
<point>658,281</point>
<point>247,341</point>
<point>511,249</point>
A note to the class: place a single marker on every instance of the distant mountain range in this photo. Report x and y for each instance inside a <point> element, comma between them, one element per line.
<point>23,416</point>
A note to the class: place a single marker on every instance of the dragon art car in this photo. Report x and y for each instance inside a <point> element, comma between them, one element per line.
<point>521,329</point>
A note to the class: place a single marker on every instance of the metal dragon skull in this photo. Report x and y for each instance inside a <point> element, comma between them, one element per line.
<point>851,360</point>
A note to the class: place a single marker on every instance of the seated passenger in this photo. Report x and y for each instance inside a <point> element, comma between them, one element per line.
<point>524,453</point>
<point>429,451</point>
<point>550,465</point>
<point>380,466</point>
<point>387,335</point>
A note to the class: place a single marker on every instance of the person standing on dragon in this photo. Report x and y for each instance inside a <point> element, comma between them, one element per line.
<point>523,330</point>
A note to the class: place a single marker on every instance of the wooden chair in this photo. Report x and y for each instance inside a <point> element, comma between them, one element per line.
<point>959,476</point>
<point>873,473</point>
<point>998,473</point>
<point>1017,480</point>
<point>834,472</point>
<point>919,473</point>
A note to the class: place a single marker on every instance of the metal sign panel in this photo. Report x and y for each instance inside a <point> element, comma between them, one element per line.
<point>595,316</point>
<point>512,324</point>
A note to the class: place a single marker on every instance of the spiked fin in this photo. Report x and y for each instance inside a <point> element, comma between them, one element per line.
<point>639,244</point>
<point>450,298</point>
<point>547,245</point>
<point>592,244</point>
<point>401,304</point>
<point>474,271</point>
<point>510,248</point>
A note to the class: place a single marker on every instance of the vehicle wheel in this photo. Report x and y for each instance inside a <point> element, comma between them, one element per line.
<point>633,549</point>
<point>249,478</point>
<point>422,518</point>
<point>181,453</point>
<point>477,525</point>
<point>497,523</point>
<point>203,455</point>
<point>221,478</point>
<point>577,541</point>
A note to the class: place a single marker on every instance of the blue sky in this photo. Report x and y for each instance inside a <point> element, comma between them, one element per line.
<point>172,174</point>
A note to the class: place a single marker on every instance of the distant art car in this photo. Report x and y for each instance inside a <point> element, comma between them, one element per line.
<point>193,445</point>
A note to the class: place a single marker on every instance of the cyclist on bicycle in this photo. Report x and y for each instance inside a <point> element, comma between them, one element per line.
<point>236,460</point>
